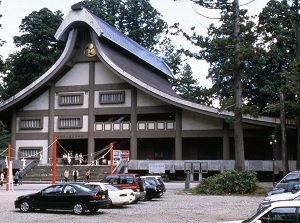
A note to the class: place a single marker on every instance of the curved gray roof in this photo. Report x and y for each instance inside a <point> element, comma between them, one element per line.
<point>105,30</point>
<point>145,76</point>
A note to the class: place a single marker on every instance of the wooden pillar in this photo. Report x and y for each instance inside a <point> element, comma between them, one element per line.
<point>91,118</point>
<point>54,160</point>
<point>226,141</point>
<point>178,136</point>
<point>133,115</point>
<point>50,122</point>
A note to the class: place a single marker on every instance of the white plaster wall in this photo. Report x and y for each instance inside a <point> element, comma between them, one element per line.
<point>40,103</point>
<point>103,75</point>
<point>195,121</point>
<point>78,75</point>
<point>44,129</point>
<point>83,129</point>
<point>84,105</point>
<point>127,102</point>
<point>35,143</point>
<point>144,99</point>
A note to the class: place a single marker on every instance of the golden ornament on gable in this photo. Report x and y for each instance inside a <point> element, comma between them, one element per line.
<point>89,50</point>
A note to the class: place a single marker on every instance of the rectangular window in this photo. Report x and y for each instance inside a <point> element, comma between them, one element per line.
<point>30,152</point>
<point>71,99</point>
<point>115,97</point>
<point>31,123</point>
<point>69,122</point>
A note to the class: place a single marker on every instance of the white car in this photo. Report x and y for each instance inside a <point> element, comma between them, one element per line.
<point>277,212</point>
<point>117,196</point>
<point>282,196</point>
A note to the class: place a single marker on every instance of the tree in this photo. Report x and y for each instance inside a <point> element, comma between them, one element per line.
<point>4,138</point>
<point>277,31</point>
<point>230,50</point>
<point>39,50</point>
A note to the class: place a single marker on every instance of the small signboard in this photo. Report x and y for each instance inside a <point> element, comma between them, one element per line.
<point>157,168</point>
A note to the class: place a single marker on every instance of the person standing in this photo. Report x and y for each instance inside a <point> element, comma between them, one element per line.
<point>65,159</point>
<point>76,161</point>
<point>75,174</point>
<point>21,174</point>
<point>87,175</point>
<point>80,158</point>
<point>1,178</point>
<point>66,175</point>
<point>17,175</point>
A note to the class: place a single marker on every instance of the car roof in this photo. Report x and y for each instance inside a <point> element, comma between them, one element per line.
<point>285,204</point>
<point>123,174</point>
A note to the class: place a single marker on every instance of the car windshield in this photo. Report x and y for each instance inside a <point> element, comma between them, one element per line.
<point>84,187</point>
<point>111,187</point>
<point>275,214</point>
<point>52,189</point>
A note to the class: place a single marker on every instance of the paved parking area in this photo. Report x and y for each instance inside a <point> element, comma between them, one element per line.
<point>175,206</point>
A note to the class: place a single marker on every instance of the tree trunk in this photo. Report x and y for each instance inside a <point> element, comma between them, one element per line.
<point>298,61</point>
<point>285,164</point>
<point>238,124</point>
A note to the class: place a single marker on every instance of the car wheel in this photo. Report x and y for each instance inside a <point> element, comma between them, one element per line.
<point>110,204</point>
<point>93,210</point>
<point>78,208</point>
<point>149,198</point>
<point>25,206</point>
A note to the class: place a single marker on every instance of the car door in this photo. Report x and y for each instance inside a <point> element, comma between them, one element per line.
<point>47,198</point>
<point>280,215</point>
<point>68,196</point>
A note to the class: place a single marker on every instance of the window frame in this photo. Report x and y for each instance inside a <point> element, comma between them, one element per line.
<point>60,118</point>
<point>37,149</point>
<point>110,94</point>
<point>23,127</point>
<point>61,95</point>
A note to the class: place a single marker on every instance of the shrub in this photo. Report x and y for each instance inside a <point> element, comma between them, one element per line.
<point>229,182</point>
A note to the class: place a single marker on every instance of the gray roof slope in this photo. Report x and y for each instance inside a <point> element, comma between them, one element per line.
<point>136,69</point>
<point>103,29</point>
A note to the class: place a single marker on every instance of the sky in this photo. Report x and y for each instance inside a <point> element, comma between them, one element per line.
<point>182,11</point>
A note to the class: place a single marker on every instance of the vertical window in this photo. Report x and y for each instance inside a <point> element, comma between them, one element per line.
<point>69,122</point>
<point>31,123</point>
<point>115,97</point>
<point>33,152</point>
<point>71,99</point>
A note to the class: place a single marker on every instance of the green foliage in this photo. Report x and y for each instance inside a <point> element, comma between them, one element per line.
<point>4,138</point>
<point>39,50</point>
<point>230,182</point>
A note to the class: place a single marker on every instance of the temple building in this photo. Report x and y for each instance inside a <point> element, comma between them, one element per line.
<point>107,89</point>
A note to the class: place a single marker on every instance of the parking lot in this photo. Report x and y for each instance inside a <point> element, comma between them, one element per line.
<point>174,206</point>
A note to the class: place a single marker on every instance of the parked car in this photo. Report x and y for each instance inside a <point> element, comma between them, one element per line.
<point>290,186</point>
<point>153,190</point>
<point>277,212</point>
<point>127,181</point>
<point>66,196</point>
<point>116,195</point>
<point>264,205</point>
<point>283,196</point>
<point>159,180</point>
<point>282,185</point>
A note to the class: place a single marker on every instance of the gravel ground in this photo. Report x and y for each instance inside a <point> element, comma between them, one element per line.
<point>175,206</point>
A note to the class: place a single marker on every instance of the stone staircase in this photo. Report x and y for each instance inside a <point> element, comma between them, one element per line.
<point>43,173</point>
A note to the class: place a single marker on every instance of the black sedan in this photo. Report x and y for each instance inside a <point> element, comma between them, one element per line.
<point>153,190</point>
<point>69,196</point>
